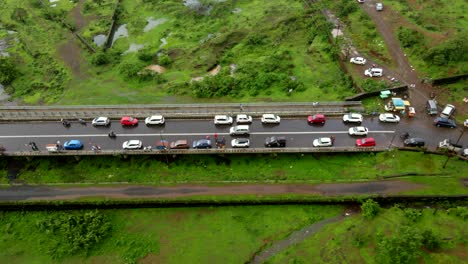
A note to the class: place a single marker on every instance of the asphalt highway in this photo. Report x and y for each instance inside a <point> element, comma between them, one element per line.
<point>16,136</point>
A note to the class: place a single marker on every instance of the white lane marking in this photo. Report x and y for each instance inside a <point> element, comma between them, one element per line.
<point>192,134</point>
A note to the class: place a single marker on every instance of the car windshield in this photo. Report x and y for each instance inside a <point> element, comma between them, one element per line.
<point>130,119</point>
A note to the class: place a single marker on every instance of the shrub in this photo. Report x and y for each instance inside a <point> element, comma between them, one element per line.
<point>430,240</point>
<point>164,60</point>
<point>130,67</point>
<point>403,247</point>
<point>459,211</point>
<point>72,233</point>
<point>455,50</point>
<point>413,215</point>
<point>8,71</point>
<point>100,58</point>
<point>409,38</point>
<point>370,208</point>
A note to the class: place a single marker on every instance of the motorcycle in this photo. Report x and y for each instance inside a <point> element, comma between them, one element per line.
<point>82,121</point>
<point>112,134</point>
<point>65,123</point>
<point>404,135</point>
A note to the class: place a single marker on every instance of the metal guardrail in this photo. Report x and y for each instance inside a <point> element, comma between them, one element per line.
<point>177,111</point>
<point>193,151</point>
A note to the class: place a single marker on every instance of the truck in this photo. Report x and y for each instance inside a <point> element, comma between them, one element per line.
<point>447,144</point>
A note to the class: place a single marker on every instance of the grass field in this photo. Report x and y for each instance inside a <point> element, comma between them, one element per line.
<point>177,235</point>
<point>312,168</point>
<point>355,239</point>
<point>272,45</point>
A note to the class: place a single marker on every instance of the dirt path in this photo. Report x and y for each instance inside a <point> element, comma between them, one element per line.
<point>294,238</point>
<point>24,192</point>
<point>406,73</point>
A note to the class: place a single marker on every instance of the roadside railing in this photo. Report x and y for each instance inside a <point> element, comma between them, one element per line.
<point>193,151</point>
<point>176,111</point>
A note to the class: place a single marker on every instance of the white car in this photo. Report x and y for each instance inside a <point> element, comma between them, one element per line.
<point>352,118</point>
<point>155,120</point>
<point>132,144</point>
<point>240,143</point>
<point>379,7</point>
<point>373,72</point>
<point>465,123</point>
<point>323,142</point>
<point>361,1</point>
<point>223,120</point>
<point>242,119</point>
<point>358,60</point>
<point>387,117</point>
<point>270,119</point>
<point>101,121</point>
<point>358,131</point>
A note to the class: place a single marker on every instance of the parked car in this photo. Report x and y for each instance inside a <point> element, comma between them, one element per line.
<point>101,121</point>
<point>202,144</point>
<point>361,1</point>
<point>322,142</point>
<point>179,144</point>
<point>373,72</point>
<point>414,142</point>
<point>352,118</point>
<point>465,124</point>
<point>358,131</point>
<point>464,153</point>
<point>222,120</point>
<point>275,142</point>
<point>379,7</point>
<point>431,107</point>
<point>358,60</point>
<point>132,144</point>
<point>73,144</point>
<point>128,121</point>
<point>389,118</point>
<point>270,119</point>
<point>444,122</point>
<point>240,143</point>
<point>239,130</point>
<point>447,111</point>
<point>316,119</point>
<point>155,120</point>
<point>243,119</point>
<point>365,142</point>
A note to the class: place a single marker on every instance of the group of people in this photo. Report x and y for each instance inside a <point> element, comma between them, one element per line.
<point>33,146</point>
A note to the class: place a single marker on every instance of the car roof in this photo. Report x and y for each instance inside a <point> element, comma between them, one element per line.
<point>101,118</point>
<point>368,139</point>
<point>354,115</point>
<point>242,139</point>
<point>269,115</point>
<point>242,115</point>
<point>74,141</point>
<point>181,141</point>
<point>156,116</point>
<point>325,139</point>
<point>242,127</point>
<point>134,141</point>
<point>221,116</point>
<point>416,139</point>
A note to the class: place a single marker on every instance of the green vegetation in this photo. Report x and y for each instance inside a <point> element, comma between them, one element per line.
<point>310,168</point>
<point>266,50</point>
<point>177,235</point>
<point>434,34</point>
<point>392,236</point>
<point>370,209</point>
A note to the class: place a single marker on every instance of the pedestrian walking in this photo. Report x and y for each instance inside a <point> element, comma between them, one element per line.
<point>241,107</point>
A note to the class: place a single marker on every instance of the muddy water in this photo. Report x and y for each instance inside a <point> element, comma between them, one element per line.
<point>121,32</point>
<point>3,94</point>
<point>152,23</point>
<point>134,48</point>
<point>99,40</point>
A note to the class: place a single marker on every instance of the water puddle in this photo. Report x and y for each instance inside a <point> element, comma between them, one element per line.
<point>232,69</point>
<point>99,40</point>
<point>164,40</point>
<point>121,32</point>
<point>236,10</point>
<point>3,47</point>
<point>3,94</point>
<point>134,48</point>
<point>53,1</point>
<point>208,37</point>
<point>154,23</point>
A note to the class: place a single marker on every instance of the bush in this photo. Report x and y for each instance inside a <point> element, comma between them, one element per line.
<point>430,240</point>
<point>164,60</point>
<point>130,67</point>
<point>413,215</point>
<point>72,233</point>
<point>8,71</point>
<point>455,50</point>
<point>370,208</point>
<point>403,247</point>
<point>409,38</point>
<point>370,85</point>
<point>100,58</point>
<point>459,211</point>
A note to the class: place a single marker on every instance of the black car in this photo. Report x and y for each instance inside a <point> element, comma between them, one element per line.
<point>202,144</point>
<point>414,142</point>
<point>275,142</point>
<point>444,122</point>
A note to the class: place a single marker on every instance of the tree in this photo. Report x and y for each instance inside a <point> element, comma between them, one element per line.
<point>19,14</point>
<point>370,208</point>
<point>8,71</point>
<point>403,247</point>
<point>130,67</point>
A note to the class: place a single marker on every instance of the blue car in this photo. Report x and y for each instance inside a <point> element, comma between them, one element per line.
<point>202,144</point>
<point>73,144</point>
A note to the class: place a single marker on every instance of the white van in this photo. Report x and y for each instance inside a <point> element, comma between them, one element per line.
<point>448,111</point>
<point>239,130</point>
<point>373,72</point>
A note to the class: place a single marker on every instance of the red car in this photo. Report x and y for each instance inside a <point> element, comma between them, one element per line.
<point>316,119</point>
<point>365,142</point>
<point>128,121</point>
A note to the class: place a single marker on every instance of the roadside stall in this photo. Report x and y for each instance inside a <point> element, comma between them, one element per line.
<point>396,104</point>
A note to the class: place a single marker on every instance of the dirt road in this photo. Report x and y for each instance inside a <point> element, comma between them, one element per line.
<point>16,193</point>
